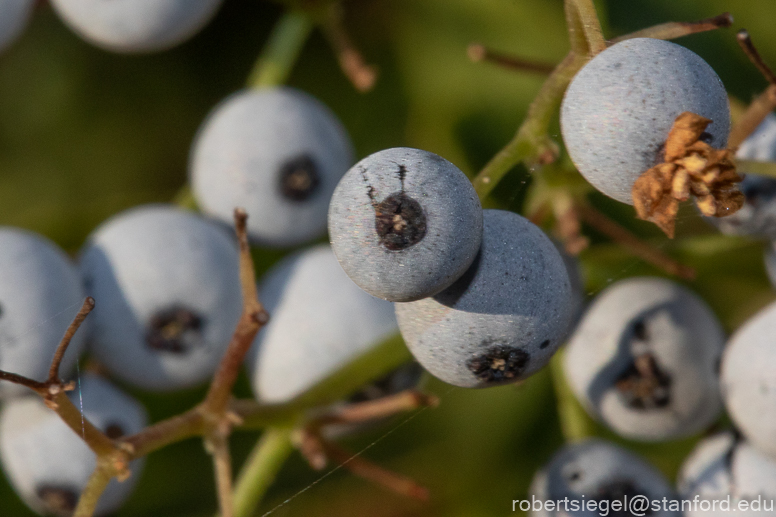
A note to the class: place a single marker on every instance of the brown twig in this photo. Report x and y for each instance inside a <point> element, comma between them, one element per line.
<point>478,53</point>
<point>309,443</point>
<point>764,104</point>
<point>622,236</point>
<point>673,30</point>
<point>86,308</point>
<point>36,386</point>
<point>351,61</point>
<point>366,469</point>
<point>746,44</point>
<point>383,407</point>
<point>253,318</point>
<point>218,446</point>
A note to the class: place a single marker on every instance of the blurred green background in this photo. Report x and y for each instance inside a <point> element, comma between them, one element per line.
<point>85,134</point>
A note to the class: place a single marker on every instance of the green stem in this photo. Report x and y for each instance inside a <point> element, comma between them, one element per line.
<point>260,469</point>
<point>281,50</point>
<point>90,496</point>
<point>577,38</point>
<point>574,422</point>
<point>185,198</point>
<point>532,143</point>
<point>591,25</point>
<point>753,167</point>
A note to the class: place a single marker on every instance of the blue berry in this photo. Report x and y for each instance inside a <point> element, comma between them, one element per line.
<point>595,470</point>
<point>136,25</point>
<point>644,359</point>
<point>619,108</point>
<point>168,296</point>
<point>748,382</point>
<point>48,465</point>
<point>723,470</point>
<point>320,321</point>
<point>14,17</point>
<point>278,153</point>
<point>503,319</point>
<point>40,294</point>
<point>405,224</point>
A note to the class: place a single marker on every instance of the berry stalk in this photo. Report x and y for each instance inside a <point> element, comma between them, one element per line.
<point>281,50</point>
<point>260,469</point>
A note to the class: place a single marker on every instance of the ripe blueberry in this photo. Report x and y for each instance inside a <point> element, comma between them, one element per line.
<point>595,470</point>
<point>320,321</point>
<point>168,294</point>
<point>644,360</point>
<point>748,383</point>
<point>619,108</point>
<point>503,319</point>
<point>278,153</point>
<point>405,224</point>
<point>40,293</point>
<point>136,25</point>
<point>48,464</point>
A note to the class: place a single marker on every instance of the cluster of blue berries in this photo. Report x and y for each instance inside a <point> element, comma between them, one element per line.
<point>648,358</point>
<point>481,298</point>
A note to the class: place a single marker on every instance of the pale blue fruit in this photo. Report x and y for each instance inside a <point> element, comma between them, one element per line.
<point>167,293</point>
<point>595,470</point>
<point>136,25</point>
<point>405,224</point>
<point>503,319</point>
<point>618,110</point>
<point>40,294</point>
<point>278,153</point>
<point>49,465</point>
<point>722,471</point>
<point>748,383</point>
<point>319,321</point>
<point>14,17</point>
<point>644,359</point>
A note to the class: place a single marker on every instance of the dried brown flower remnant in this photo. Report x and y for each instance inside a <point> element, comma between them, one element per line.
<point>691,167</point>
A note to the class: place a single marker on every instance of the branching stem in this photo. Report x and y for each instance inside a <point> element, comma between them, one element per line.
<point>532,143</point>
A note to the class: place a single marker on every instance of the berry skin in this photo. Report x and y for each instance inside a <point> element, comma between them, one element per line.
<point>14,17</point>
<point>405,224</point>
<point>725,466</point>
<point>619,108</point>
<point>168,296</point>
<point>600,471</point>
<point>758,215</point>
<point>136,25</point>
<point>320,320</point>
<point>48,464</point>
<point>644,360</point>
<point>503,319</point>
<point>40,294</point>
<point>278,153</point>
<point>748,382</point>
<point>577,297</point>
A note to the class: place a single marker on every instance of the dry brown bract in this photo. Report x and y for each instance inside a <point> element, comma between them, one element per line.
<point>691,167</point>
